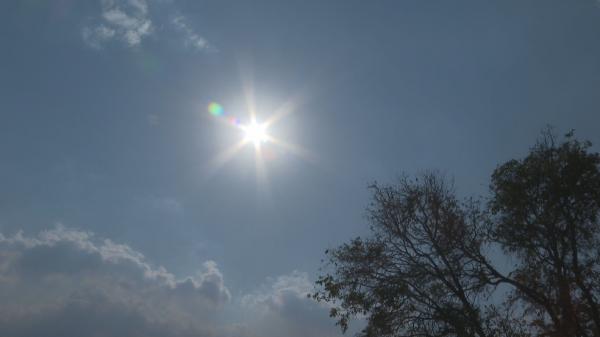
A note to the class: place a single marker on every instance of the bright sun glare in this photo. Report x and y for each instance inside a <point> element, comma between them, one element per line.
<point>255,133</point>
<point>267,147</point>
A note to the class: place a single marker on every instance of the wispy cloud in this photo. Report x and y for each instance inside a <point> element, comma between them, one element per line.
<point>276,291</point>
<point>125,20</point>
<point>191,39</point>
<point>132,21</point>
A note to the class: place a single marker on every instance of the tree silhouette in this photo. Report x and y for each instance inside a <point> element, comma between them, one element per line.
<point>545,214</point>
<point>427,268</point>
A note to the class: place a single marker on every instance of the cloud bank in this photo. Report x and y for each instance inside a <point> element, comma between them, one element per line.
<point>65,282</point>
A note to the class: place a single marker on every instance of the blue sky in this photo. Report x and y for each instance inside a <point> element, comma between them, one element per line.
<point>105,137</point>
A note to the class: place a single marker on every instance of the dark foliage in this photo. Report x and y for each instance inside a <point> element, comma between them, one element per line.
<point>427,270</point>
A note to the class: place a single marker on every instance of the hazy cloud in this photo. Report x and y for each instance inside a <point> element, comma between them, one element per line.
<point>153,119</point>
<point>125,20</point>
<point>68,283</point>
<point>276,292</point>
<point>164,204</point>
<point>191,39</point>
<point>283,308</point>
<point>65,282</point>
<point>131,21</point>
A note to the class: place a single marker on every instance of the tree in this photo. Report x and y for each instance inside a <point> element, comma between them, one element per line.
<point>426,269</point>
<point>416,275</point>
<point>546,210</point>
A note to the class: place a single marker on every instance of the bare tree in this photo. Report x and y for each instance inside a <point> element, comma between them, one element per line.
<point>411,277</point>
<point>426,268</point>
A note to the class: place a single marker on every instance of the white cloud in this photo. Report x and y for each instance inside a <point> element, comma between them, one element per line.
<point>283,308</point>
<point>94,37</point>
<point>141,5</point>
<point>274,294</point>
<point>191,39</point>
<point>69,283</point>
<point>132,21</point>
<point>125,20</point>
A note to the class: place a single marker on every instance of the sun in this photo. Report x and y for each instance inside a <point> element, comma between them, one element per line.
<point>255,133</point>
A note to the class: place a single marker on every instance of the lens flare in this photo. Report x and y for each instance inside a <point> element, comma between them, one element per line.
<point>233,120</point>
<point>215,109</point>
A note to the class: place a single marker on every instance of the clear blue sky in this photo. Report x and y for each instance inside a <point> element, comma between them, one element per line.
<point>105,135</point>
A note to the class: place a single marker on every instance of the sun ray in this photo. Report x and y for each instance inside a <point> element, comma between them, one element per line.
<point>224,156</point>
<point>261,175</point>
<point>248,87</point>
<point>255,130</point>
<point>295,149</point>
<point>287,108</point>
<point>290,105</point>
